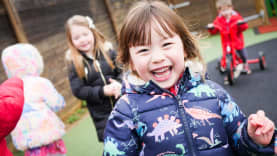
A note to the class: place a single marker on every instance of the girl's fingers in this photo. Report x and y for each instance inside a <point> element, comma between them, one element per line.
<point>258,131</point>
<point>269,126</point>
<point>252,119</point>
<point>112,80</point>
<point>260,117</point>
<point>261,113</point>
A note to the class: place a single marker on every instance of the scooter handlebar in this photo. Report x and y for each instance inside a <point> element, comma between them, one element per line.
<point>241,22</point>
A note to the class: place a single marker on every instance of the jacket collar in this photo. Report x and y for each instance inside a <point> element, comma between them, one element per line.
<point>133,84</point>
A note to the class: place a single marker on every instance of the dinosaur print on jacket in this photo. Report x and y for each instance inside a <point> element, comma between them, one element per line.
<point>111,148</point>
<point>169,153</point>
<point>200,114</point>
<point>162,96</point>
<point>212,141</point>
<point>163,126</point>
<point>199,90</point>
<point>230,109</point>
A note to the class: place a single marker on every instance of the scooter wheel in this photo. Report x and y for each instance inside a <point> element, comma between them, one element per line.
<point>262,61</point>
<point>219,68</point>
<point>230,76</point>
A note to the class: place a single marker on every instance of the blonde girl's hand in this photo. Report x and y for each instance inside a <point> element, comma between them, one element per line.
<point>116,87</point>
<point>260,128</point>
<point>108,90</point>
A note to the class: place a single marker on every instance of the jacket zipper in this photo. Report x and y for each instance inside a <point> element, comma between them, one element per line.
<point>186,126</point>
<point>184,119</point>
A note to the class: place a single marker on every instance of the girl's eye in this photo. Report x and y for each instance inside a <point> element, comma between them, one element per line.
<point>142,50</point>
<point>76,38</point>
<point>167,44</point>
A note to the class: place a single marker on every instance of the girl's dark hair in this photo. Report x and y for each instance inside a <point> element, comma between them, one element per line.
<point>136,30</point>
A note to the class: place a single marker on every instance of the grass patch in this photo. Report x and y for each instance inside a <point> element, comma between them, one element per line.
<point>77,114</point>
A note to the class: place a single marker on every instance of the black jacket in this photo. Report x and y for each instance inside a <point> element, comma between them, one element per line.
<point>91,90</point>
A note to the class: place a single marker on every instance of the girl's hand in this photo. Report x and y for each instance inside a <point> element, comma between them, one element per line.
<point>116,87</point>
<point>108,90</point>
<point>260,128</point>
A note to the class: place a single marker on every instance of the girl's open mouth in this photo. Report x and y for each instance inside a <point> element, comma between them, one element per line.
<point>162,74</point>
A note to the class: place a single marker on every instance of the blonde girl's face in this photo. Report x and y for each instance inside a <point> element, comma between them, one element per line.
<point>82,38</point>
<point>162,61</point>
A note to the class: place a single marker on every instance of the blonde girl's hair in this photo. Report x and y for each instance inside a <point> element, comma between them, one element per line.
<point>136,30</point>
<point>99,45</point>
<point>221,3</point>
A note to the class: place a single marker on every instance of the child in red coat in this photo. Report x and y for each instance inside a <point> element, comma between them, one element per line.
<point>228,24</point>
<point>11,106</point>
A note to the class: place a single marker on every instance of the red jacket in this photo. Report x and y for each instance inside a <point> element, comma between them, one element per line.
<point>230,32</point>
<point>11,107</point>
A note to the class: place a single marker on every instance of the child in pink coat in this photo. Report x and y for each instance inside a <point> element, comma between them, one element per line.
<point>39,131</point>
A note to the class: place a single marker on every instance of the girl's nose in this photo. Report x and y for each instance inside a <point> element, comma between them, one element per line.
<point>157,56</point>
<point>82,40</point>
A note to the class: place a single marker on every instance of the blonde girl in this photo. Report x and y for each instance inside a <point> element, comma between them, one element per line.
<point>93,74</point>
<point>167,108</point>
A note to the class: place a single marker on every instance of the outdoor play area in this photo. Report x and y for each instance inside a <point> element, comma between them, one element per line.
<point>41,23</point>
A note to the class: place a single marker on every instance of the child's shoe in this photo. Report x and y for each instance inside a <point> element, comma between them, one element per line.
<point>239,69</point>
<point>246,69</point>
<point>226,82</point>
<point>222,69</point>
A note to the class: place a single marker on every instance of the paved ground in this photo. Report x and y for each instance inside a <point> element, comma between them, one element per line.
<point>258,90</point>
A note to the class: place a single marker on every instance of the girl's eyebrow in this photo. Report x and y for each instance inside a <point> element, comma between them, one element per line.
<point>166,38</point>
<point>141,46</point>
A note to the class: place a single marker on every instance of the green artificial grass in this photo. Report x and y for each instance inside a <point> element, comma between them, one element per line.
<point>82,140</point>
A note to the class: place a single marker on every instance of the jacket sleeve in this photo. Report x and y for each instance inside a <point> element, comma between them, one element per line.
<point>11,105</point>
<point>52,97</point>
<point>120,137</point>
<point>215,29</point>
<point>242,27</point>
<point>236,126</point>
<point>82,90</point>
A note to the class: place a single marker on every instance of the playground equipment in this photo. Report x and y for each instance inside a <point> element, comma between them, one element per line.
<point>234,63</point>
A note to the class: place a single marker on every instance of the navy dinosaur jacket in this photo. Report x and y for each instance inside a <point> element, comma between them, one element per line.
<point>202,119</point>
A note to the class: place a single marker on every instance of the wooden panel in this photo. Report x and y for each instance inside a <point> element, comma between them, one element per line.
<point>102,20</point>
<point>40,23</point>
<point>15,21</point>
<point>7,36</point>
<point>245,7</point>
<point>197,14</point>
<point>120,9</point>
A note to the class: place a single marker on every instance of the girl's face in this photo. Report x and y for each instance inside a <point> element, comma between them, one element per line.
<point>82,38</point>
<point>162,61</point>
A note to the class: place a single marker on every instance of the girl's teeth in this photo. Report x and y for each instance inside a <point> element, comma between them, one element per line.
<point>161,70</point>
<point>159,75</point>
